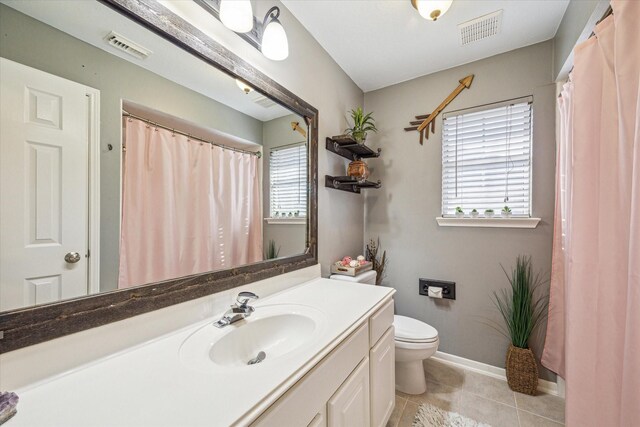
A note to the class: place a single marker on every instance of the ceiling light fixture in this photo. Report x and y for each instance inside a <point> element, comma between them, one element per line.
<point>275,45</point>
<point>237,15</point>
<point>431,9</point>
<point>245,87</point>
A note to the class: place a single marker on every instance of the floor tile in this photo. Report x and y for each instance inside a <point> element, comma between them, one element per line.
<point>528,419</point>
<point>397,411</point>
<point>440,395</point>
<point>444,374</point>
<point>487,411</point>
<point>545,405</point>
<point>409,413</point>
<point>489,388</point>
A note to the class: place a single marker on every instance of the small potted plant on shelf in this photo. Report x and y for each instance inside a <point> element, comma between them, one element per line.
<point>362,123</point>
<point>474,213</point>
<point>506,212</point>
<point>296,213</point>
<point>459,212</point>
<point>523,309</point>
<point>488,213</point>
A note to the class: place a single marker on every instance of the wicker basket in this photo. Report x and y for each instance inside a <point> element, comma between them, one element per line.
<point>522,370</point>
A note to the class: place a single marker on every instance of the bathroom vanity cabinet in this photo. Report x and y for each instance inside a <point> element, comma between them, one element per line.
<point>339,372</point>
<point>352,386</point>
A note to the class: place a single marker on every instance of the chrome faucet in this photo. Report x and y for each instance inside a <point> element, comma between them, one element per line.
<point>238,311</point>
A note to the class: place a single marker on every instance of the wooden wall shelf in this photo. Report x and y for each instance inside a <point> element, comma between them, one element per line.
<point>350,149</point>
<point>348,183</point>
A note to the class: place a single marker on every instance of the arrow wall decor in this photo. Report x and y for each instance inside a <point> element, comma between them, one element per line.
<point>423,122</point>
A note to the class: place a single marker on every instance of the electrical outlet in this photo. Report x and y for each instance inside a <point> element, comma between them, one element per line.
<point>448,288</point>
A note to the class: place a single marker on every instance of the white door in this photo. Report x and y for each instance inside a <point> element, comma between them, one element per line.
<point>349,406</point>
<point>382,359</point>
<point>43,187</point>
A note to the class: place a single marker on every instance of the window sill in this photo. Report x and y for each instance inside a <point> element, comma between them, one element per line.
<point>496,222</point>
<point>292,220</point>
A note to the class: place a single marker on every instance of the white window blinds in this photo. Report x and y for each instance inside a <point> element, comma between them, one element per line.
<point>486,159</point>
<point>288,180</point>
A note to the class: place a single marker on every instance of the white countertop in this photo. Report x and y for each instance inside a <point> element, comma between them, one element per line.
<point>149,385</point>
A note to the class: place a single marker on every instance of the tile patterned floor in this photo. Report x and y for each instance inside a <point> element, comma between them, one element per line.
<point>480,397</point>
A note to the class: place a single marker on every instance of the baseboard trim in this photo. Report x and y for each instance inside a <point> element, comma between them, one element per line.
<point>544,386</point>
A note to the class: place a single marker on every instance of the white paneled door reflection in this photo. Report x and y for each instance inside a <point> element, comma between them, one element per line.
<point>43,186</point>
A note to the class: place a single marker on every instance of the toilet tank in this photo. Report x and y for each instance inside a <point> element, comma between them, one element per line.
<point>368,277</point>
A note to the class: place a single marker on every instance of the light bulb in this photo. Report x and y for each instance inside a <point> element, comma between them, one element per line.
<point>275,45</point>
<point>432,9</point>
<point>237,15</point>
<point>245,87</point>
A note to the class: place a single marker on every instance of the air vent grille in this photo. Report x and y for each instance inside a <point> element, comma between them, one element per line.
<point>263,101</point>
<point>127,46</point>
<point>480,28</point>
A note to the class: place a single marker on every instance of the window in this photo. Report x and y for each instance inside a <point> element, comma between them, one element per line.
<point>486,159</point>
<point>288,180</point>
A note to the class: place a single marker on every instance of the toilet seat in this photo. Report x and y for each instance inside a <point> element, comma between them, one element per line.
<point>412,331</point>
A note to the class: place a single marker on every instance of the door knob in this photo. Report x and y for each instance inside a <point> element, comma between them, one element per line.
<point>72,257</point>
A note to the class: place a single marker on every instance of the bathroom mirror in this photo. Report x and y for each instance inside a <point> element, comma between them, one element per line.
<point>135,173</point>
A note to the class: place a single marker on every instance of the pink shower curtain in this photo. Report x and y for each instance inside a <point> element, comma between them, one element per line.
<point>593,332</point>
<point>187,207</point>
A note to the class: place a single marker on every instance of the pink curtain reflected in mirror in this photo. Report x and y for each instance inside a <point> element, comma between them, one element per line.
<point>188,207</point>
<point>593,333</point>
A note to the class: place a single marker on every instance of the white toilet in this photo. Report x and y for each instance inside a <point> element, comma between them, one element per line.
<point>415,342</point>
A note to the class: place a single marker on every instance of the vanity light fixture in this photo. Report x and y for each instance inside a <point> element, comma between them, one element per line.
<point>431,9</point>
<point>268,35</point>
<point>245,87</point>
<point>237,15</point>
<point>275,45</point>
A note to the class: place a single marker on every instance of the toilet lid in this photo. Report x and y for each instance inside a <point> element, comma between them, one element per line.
<point>412,330</point>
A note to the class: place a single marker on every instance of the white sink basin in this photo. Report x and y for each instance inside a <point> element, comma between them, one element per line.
<point>277,330</point>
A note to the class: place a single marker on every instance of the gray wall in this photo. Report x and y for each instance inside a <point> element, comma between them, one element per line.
<point>576,25</point>
<point>290,238</point>
<point>402,213</point>
<point>30,42</point>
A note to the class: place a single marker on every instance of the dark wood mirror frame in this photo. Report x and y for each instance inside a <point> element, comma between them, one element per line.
<point>29,326</point>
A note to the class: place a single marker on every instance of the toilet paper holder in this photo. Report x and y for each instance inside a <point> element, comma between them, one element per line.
<point>446,289</point>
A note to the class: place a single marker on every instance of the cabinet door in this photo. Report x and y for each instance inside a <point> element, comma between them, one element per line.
<point>349,406</point>
<point>382,359</point>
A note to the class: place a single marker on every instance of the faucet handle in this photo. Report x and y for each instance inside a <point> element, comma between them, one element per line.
<point>244,297</point>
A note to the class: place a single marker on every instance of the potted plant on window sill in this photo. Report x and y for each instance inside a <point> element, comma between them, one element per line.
<point>474,213</point>
<point>488,213</point>
<point>522,308</point>
<point>506,212</point>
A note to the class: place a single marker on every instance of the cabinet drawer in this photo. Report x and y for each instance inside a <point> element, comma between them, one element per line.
<point>380,322</point>
<point>301,404</point>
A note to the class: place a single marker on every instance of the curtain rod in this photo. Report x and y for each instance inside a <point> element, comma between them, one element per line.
<point>188,135</point>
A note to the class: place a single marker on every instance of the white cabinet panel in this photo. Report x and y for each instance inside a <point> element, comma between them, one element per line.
<point>349,406</point>
<point>383,382</point>
<point>300,405</point>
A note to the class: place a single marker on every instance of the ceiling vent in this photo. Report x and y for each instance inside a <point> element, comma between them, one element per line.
<point>480,28</point>
<point>127,46</point>
<point>263,101</point>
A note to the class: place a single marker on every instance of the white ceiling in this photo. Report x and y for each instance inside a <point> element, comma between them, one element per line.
<point>91,21</point>
<point>379,43</point>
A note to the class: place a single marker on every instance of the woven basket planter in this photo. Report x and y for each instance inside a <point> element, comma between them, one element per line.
<point>522,370</point>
